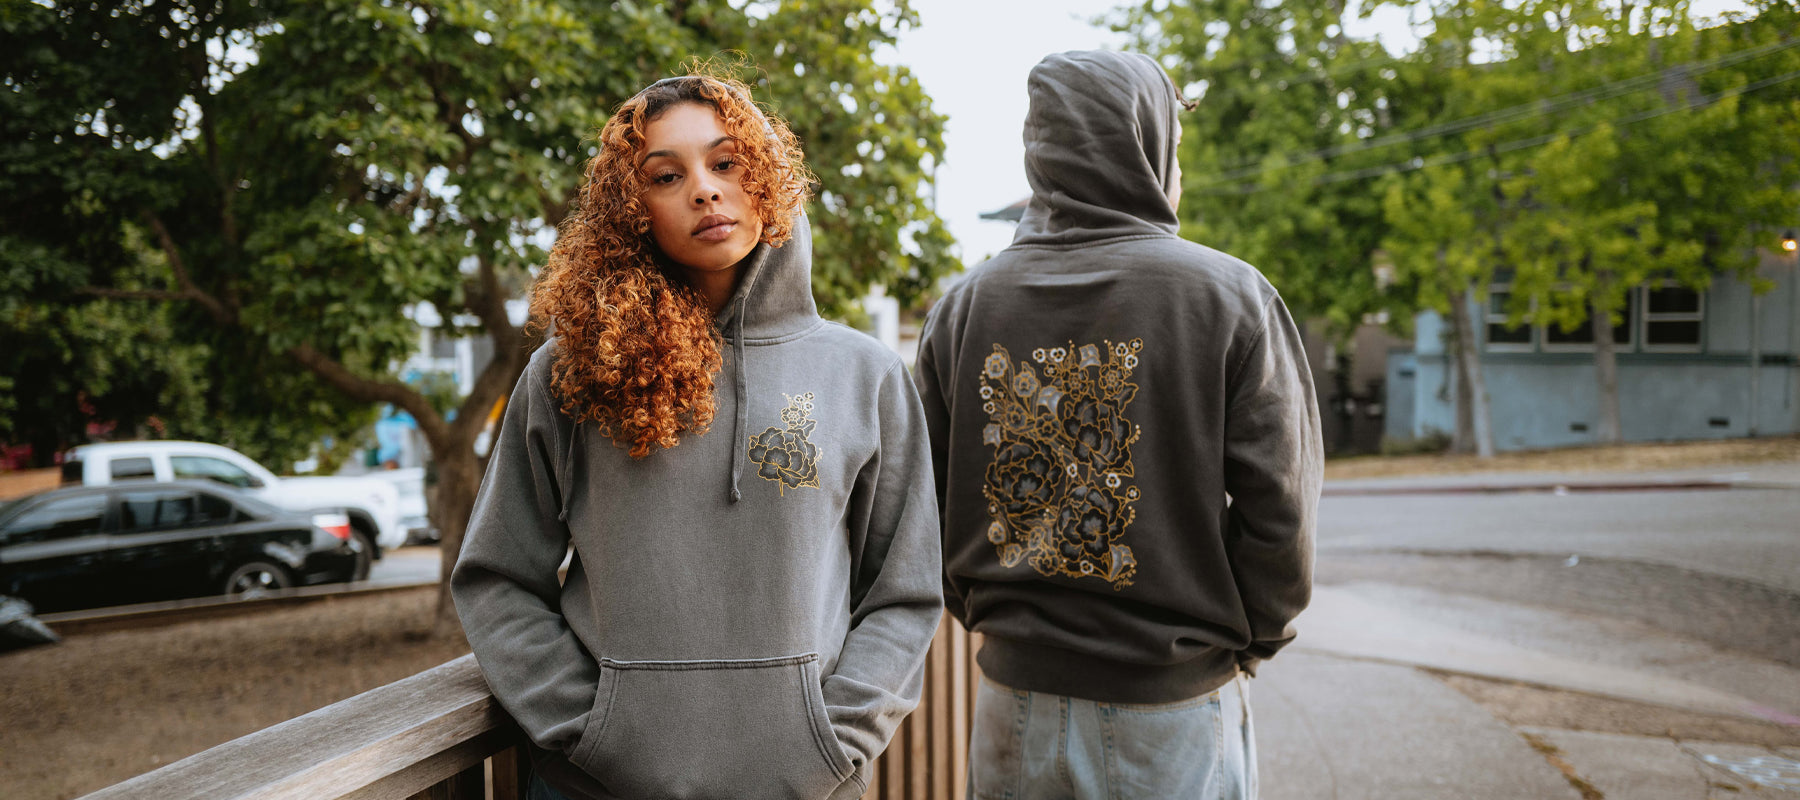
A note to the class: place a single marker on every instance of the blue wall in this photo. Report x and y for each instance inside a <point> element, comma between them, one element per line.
<point>1544,399</point>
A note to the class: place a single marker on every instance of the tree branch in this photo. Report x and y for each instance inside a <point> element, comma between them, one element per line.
<point>451,114</point>
<point>133,294</point>
<point>189,290</point>
<point>512,348</point>
<point>489,303</point>
<point>372,391</point>
<point>495,381</point>
<point>555,209</point>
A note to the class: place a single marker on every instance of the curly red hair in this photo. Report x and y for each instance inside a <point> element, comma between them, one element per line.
<point>638,348</point>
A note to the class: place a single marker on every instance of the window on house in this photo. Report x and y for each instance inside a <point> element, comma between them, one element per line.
<point>1500,334</point>
<point>1672,318</point>
<point>1582,337</point>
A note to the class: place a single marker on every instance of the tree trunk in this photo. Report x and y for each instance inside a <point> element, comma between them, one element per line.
<point>1463,440</point>
<point>1470,373</point>
<point>1606,373</point>
<point>458,479</point>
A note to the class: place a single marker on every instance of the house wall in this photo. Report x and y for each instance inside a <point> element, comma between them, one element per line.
<point>1550,399</point>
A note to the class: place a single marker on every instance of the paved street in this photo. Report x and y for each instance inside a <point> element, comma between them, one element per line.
<point>417,564</point>
<point>1619,644</point>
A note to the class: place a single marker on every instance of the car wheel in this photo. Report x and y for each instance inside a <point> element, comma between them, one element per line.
<point>365,554</point>
<point>256,579</point>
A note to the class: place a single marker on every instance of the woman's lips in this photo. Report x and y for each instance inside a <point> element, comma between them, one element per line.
<point>714,228</point>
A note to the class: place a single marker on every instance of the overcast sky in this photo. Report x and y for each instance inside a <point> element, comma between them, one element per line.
<point>972,56</point>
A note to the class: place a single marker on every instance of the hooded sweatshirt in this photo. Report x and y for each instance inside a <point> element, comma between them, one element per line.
<point>746,614</point>
<point>1123,424</point>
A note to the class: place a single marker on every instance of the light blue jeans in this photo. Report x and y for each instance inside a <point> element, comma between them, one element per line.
<point>1039,746</point>
<point>539,790</point>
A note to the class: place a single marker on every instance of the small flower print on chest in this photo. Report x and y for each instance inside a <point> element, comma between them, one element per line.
<point>785,455</point>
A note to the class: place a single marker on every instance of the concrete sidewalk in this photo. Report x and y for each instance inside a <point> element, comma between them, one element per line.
<point>1351,712</point>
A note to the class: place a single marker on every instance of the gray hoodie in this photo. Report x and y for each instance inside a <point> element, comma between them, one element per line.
<point>746,615</point>
<point>1123,424</point>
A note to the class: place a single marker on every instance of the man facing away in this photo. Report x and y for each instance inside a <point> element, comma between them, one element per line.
<point>1128,462</point>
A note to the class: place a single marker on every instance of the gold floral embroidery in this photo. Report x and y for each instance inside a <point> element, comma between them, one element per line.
<point>1058,488</point>
<point>785,455</point>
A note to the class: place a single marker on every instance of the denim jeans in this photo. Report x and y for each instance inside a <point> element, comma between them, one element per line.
<point>1039,746</point>
<point>539,790</point>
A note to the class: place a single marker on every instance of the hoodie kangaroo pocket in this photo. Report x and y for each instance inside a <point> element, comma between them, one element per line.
<point>712,730</point>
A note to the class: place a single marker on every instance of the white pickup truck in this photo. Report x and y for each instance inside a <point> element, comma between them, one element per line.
<point>373,504</point>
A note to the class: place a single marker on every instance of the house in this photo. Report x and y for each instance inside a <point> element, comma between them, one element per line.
<point>1713,364</point>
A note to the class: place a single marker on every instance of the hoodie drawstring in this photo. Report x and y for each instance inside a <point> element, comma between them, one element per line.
<point>741,411</point>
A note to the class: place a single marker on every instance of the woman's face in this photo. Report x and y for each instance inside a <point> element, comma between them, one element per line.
<point>699,213</point>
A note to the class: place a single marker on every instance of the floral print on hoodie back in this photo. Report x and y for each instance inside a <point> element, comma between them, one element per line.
<point>1059,487</point>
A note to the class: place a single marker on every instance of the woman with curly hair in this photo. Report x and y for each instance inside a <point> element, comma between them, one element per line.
<point>746,611</point>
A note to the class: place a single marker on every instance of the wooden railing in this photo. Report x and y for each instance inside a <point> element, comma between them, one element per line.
<point>927,758</point>
<point>439,735</point>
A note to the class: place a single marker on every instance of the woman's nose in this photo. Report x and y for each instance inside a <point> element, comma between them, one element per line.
<point>706,192</point>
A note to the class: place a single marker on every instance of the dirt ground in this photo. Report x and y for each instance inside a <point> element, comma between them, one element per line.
<point>1619,458</point>
<point>101,708</point>
<point>28,481</point>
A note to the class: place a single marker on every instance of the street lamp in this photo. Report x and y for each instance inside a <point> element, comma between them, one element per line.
<point>1791,246</point>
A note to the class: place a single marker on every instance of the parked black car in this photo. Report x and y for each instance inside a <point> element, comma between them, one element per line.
<point>91,546</point>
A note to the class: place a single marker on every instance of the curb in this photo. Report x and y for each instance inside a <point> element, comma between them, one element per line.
<point>1558,487</point>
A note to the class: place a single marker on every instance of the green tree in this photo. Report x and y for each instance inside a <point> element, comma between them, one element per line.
<point>1578,148</point>
<point>1284,97</point>
<point>1670,174</point>
<point>304,172</point>
<point>1438,245</point>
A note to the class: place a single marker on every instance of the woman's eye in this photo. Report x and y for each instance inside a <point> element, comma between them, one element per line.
<point>725,165</point>
<point>664,178</point>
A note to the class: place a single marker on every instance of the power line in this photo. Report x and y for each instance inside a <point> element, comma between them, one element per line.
<point>1516,144</point>
<point>1539,107</point>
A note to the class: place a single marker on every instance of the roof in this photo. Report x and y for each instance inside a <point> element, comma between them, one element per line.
<point>1012,213</point>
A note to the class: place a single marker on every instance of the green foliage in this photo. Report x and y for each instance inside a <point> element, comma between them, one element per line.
<point>1675,181</point>
<point>1583,148</point>
<point>197,190</point>
<point>1276,84</point>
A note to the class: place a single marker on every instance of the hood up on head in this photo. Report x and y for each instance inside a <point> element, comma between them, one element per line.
<point>773,301</point>
<point>1099,149</point>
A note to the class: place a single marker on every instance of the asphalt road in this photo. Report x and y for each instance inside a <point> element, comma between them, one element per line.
<point>1750,534</point>
<point>417,564</point>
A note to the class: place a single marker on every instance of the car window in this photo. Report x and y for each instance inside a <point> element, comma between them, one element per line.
<point>128,468</point>
<point>62,518</point>
<point>217,469</point>
<point>154,510</point>
<point>72,472</point>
